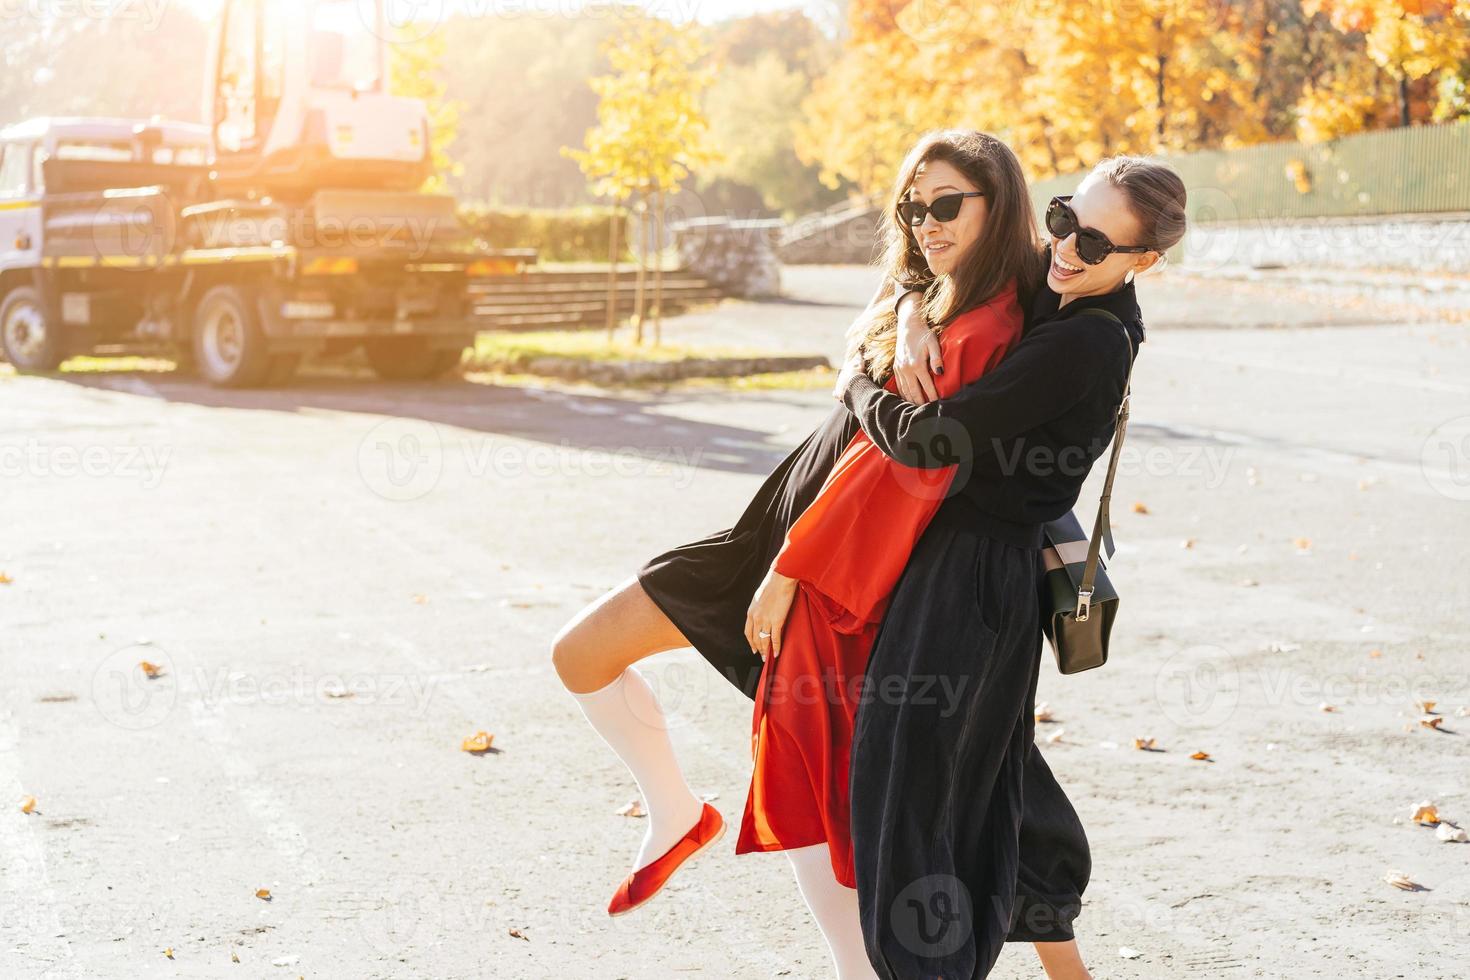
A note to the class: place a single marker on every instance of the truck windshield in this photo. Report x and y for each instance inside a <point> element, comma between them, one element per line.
<point>345,52</point>
<point>120,152</point>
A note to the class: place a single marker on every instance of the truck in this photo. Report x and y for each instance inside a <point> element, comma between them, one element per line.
<point>292,223</point>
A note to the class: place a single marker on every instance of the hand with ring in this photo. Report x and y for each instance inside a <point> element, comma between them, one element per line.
<point>767,614</point>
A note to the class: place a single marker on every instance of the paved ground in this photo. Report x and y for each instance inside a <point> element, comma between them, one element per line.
<point>344,579</point>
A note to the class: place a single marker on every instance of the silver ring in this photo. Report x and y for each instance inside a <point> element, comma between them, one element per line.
<point>764,635</point>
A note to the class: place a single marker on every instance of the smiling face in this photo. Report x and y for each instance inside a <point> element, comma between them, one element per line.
<point>943,242</point>
<point>1104,206</point>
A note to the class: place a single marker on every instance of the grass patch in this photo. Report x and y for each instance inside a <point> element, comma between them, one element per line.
<point>812,379</point>
<point>591,346</point>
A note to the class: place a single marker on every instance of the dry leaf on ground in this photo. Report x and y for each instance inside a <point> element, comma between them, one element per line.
<point>1400,880</point>
<point>477,743</point>
<point>1425,813</point>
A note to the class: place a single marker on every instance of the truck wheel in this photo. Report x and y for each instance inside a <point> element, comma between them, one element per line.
<point>229,346</point>
<point>30,342</point>
<point>409,358</point>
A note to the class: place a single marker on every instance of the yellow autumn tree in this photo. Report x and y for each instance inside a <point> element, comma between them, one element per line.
<point>650,133</point>
<point>414,71</point>
<point>1411,42</point>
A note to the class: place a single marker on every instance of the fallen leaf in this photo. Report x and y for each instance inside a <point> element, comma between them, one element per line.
<point>518,934</point>
<point>1187,543</point>
<point>150,670</point>
<point>1303,545</point>
<point>1199,755</point>
<point>1451,835</point>
<point>1144,743</point>
<point>1139,507</point>
<point>5,579</point>
<point>1400,880</point>
<point>169,952</point>
<point>1426,813</point>
<point>1043,712</point>
<point>420,598</point>
<point>1324,706</point>
<point>263,893</point>
<point>234,956</point>
<point>634,809</point>
<point>1432,721</point>
<point>477,743</point>
<point>1426,706</point>
<point>28,805</point>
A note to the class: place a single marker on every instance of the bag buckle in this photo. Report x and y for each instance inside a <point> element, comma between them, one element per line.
<point>1084,605</point>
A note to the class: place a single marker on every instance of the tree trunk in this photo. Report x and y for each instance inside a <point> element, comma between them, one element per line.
<point>658,268</point>
<point>1405,111</point>
<point>638,255</point>
<point>612,273</point>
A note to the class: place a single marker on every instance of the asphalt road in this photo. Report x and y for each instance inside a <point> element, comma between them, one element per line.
<point>341,580</point>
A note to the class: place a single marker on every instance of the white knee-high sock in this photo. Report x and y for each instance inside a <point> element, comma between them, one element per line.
<point>836,909</point>
<point>627,715</point>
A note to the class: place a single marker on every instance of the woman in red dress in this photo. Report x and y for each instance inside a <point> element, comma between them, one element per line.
<point>961,208</point>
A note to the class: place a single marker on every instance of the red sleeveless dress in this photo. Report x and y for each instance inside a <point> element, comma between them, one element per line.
<point>847,550</point>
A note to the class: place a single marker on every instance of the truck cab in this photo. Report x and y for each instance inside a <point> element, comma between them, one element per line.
<point>80,200</point>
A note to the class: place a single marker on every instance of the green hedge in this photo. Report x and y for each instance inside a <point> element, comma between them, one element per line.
<point>1414,170</point>
<point>560,235</point>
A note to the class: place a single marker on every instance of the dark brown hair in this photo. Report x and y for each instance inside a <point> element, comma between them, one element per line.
<point>1156,196</point>
<point>1008,249</point>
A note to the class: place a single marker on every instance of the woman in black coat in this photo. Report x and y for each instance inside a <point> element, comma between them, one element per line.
<point>963,839</point>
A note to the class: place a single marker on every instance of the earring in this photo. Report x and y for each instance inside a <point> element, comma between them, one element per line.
<point>1129,276</point>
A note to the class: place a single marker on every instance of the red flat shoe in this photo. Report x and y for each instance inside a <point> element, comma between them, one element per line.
<point>643,884</point>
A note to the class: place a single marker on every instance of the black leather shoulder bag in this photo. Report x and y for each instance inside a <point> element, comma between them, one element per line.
<point>1078,602</point>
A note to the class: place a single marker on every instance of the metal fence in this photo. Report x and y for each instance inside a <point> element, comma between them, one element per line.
<point>1415,170</point>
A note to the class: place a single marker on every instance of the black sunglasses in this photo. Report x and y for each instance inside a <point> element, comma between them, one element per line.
<point>1092,245</point>
<point>944,208</point>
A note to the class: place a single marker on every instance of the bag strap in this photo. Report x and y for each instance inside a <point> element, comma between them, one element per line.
<point>1102,528</point>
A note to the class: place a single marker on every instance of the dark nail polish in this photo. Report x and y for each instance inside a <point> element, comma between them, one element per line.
<point>939,370</point>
